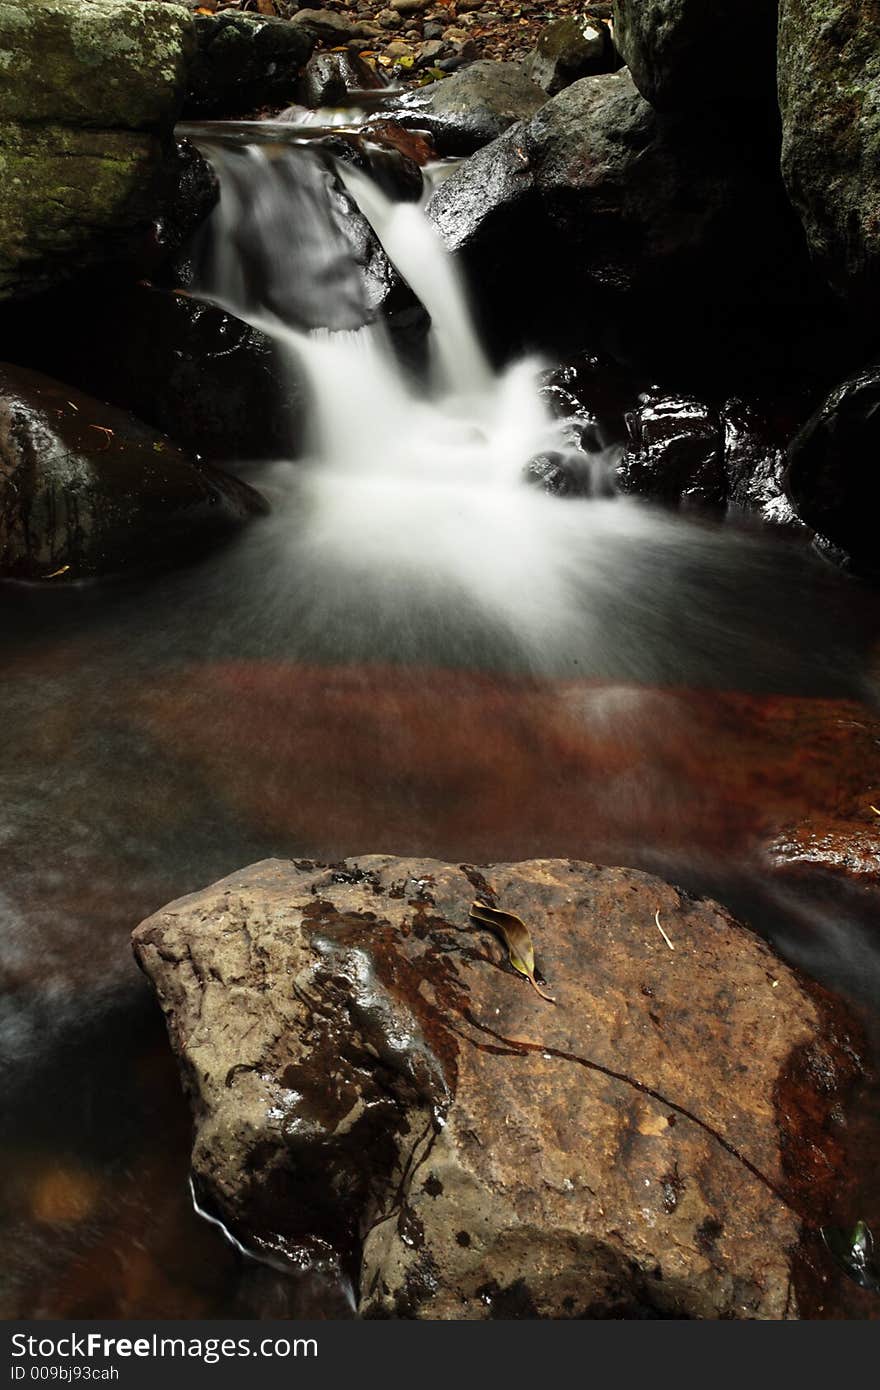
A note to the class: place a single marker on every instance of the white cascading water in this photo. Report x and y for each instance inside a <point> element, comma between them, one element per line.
<point>413,495</point>
<point>410,528</point>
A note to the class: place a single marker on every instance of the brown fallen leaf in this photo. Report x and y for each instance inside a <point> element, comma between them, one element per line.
<point>516,937</point>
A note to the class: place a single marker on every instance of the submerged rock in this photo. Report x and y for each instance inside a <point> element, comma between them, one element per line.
<point>686,54</point>
<point>471,108</point>
<point>569,49</point>
<point>244,61</point>
<point>832,476</point>
<point>829,96</point>
<point>365,1066</point>
<point>86,490</point>
<point>90,92</point>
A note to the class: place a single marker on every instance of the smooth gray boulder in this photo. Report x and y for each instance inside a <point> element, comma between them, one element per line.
<point>86,490</point>
<point>597,189</point>
<point>470,109</point>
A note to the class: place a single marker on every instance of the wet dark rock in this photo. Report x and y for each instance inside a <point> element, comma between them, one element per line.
<point>829,96</point>
<point>675,453</point>
<point>364,1066</point>
<point>381,150</point>
<point>569,49</point>
<point>593,388</point>
<point>86,490</point>
<point>89,97</point>
<point>755,440</point>
<point>200,375</point>
<point>194,192</point>
<point>685,54</point>
<point>330,78</point>
<point>244,61</point>
<point>832,476</point>
<point>470,109</point>
<point>571,473</point>
<point>684,451</point>
<point>619,206</point>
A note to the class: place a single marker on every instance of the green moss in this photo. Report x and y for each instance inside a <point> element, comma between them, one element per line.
<point>71,197</point>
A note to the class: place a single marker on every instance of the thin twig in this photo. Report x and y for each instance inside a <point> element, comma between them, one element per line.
<point>661,931</point>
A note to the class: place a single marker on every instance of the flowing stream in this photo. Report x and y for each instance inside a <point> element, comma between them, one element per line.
<point>421,651</point>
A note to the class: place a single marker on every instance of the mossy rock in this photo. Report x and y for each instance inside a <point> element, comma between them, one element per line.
<point>829,96</point>
<point>94,63</point>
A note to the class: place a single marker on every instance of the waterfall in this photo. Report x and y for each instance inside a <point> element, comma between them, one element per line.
<point>413,528</point>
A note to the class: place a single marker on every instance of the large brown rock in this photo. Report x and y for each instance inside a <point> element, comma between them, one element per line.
<point>364,1066</point>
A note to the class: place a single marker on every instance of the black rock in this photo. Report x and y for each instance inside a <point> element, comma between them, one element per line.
<point>202,376</point>
<point>87,491</point>
<point>833,476</point>
<point>331,78</point>
<point>675,453</point>
<point>245,61</point>
<point>194,194</point>
<point>755,439</point>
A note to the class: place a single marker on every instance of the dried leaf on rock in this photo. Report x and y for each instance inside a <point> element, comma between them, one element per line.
<point>516,937</point>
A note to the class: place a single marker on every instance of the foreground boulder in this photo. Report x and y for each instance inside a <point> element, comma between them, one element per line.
<point>86,490</point>
<point>90,92</point>
<point>829,96</point>
<point>471,108</point>
<point>832,476</point>
<point>610,199</point>
<point>244,61</point>
<point>365,1067</point>
<point>686,54</point>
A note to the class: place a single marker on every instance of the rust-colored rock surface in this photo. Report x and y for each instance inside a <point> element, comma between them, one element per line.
<point>462,763</point>
<point>366,1070</point>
